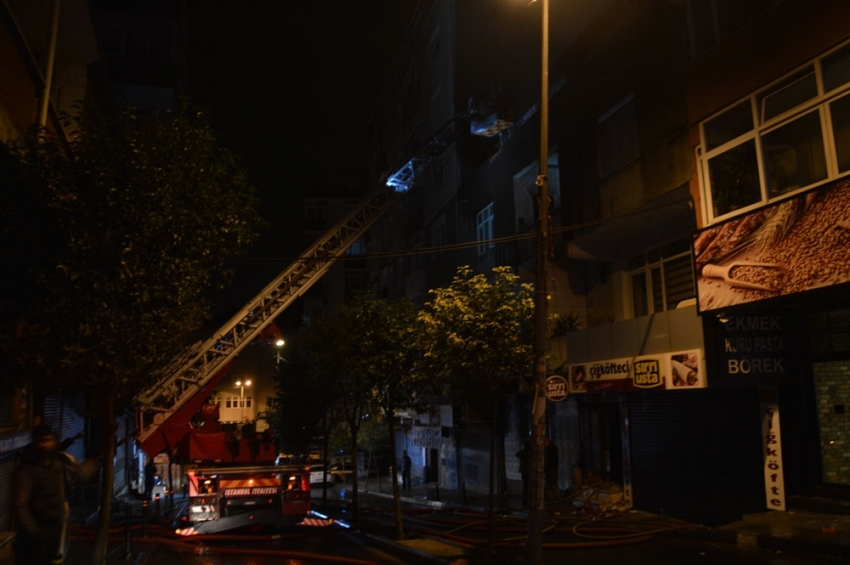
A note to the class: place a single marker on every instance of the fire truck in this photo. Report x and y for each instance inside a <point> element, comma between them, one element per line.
<point>234,481</point>
<point>233,478</point>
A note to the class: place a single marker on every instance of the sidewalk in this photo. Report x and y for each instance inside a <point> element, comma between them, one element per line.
<point>813,526</point>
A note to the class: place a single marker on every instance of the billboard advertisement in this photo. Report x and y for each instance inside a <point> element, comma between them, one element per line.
<point>664,371</point>
<point>786,248</point>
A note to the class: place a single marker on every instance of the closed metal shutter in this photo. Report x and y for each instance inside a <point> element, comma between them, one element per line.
<point>697,455</point>
<point>64,415</point>
<point>7,469</point>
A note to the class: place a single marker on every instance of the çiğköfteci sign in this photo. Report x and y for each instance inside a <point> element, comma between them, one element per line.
<point>774,480</point>
<point>664,371</point>
<point>796,245</point>
<point>557,388</point>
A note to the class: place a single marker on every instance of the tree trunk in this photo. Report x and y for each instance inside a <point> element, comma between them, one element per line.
<point>101,540</point>
<point>355,465</point>
<point>492,526</point>
<point>399,524</point>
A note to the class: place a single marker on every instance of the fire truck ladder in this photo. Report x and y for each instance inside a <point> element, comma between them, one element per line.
<point>200,363</point>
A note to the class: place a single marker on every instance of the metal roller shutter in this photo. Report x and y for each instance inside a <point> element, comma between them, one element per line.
<point>7,469</point>
<point>696,455</point>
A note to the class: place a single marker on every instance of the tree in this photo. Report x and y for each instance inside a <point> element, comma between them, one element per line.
<point>389,357</point>
<point>476,336</point>
<point>115,240</point>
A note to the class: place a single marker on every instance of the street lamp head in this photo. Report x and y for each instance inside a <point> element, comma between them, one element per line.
<point>248,382</point>
<point>280,342</point>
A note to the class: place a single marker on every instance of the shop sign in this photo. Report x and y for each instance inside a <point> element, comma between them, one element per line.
<point>753,345</point>
<point>556,388</point>
<point>430,437</point>
<point>667,371</point>
<point>774,481</point>
<point>794,246</point>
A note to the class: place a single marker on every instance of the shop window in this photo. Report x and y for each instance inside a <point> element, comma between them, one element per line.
<point>661,279</point>
<point>836,69</point>
<point>734,179</point>
<point>794,155</point>
<point>775,142</point>
<point>788,94</point>
<point>729,125</point>
<point>484,221</point>
<point>840,112</point>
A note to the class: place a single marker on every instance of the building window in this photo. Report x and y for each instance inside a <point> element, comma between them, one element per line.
<point>357,248</point>
<point>237,402</point>
<point>484,221</point>
<point>617,137</point>
<point>787,137</point>
<point>661,278</point>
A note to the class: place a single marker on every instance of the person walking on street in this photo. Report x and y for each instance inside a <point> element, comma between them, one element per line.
<point>405,470</point>
<point>150,477</point>
<point>522,455</point>
<point>40,502</point>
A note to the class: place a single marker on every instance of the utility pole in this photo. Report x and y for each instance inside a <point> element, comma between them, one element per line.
<point>534,544</point>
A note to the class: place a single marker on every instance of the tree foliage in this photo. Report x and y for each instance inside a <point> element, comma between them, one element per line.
<point>477,334</point>
<point>115,240</point>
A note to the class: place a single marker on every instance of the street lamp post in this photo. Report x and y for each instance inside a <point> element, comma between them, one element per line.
<point>242,385</point>
<point>534,544</point>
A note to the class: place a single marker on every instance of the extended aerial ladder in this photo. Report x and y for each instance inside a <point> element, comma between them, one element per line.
<point>164,410</point>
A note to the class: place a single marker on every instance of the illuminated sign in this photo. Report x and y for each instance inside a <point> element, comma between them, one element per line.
<point>250,491</point>
<point>794,246</point>
<point>667,371</point>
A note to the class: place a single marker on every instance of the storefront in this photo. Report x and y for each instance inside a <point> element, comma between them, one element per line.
<point>778,321</point>
<point>655,421</point>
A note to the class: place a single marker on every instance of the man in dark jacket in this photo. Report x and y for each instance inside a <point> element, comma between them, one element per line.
<point>41,507</point>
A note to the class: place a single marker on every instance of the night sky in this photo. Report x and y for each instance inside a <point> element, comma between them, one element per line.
<point>289,86</point>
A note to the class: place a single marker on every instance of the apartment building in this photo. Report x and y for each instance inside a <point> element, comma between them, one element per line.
<point>768,128</point>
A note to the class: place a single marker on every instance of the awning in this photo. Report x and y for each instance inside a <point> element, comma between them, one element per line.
<point>669,216</point>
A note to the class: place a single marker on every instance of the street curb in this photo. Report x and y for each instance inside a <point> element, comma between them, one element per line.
<point>409,500</point>
<point>753,539</point>
<point>409,554</point>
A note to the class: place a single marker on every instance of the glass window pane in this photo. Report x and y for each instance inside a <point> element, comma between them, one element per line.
<point>678,280</point>
<point>734,179</point>
<point>840,110</point>
<point>727,126</point>
<point>657,290</point>
<point>794,155</point>
<point>789,93</point>
<point>639,302</point>
<point>836,69</point>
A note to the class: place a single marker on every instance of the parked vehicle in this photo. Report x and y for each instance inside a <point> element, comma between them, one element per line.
<point>341,472</point>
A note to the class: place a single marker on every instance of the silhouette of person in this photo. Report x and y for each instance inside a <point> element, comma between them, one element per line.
<point>40,501</point>
<point>405,470</point>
